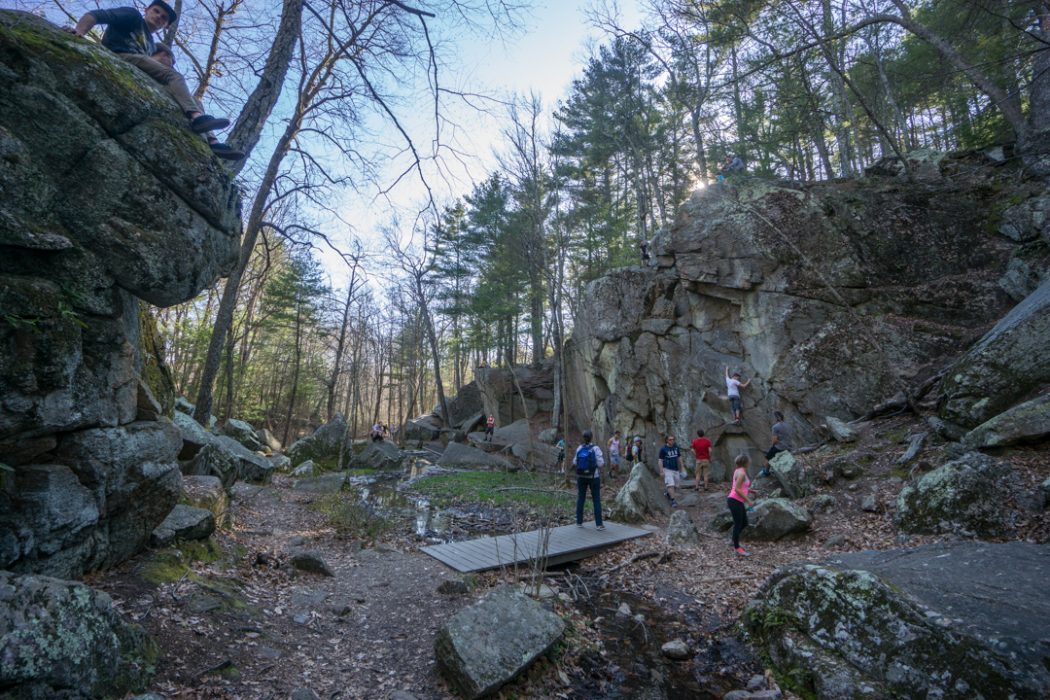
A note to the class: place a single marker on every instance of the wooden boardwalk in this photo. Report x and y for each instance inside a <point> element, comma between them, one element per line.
<point>564,544</point>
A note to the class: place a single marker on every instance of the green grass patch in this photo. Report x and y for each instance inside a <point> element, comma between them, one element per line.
<point>497,489</point>
<point>349,516</point>
<point>170,565</point>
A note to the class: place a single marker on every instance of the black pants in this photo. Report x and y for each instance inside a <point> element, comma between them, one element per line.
<point>774,451</point>
<point>595,484</point>
<point>739,513</point>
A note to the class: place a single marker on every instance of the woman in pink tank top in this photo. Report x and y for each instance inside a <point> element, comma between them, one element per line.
<point>739,500</point>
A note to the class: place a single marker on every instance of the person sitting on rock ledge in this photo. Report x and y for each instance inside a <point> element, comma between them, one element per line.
<point>130,36</point>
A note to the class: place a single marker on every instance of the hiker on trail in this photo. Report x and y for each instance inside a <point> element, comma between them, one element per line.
<point>561,454</point>
<point>669,462</point>
<point>782,440</point>
<point>490,426</point>
<point>740,501</point>
<point>644,247</point>
<point>588,463</point>
<point>614,455</point>
<point>129,34</point>
<point>377,432</point>
<point>702,453</point>
<point>731,165</point>
<point>733,387</point>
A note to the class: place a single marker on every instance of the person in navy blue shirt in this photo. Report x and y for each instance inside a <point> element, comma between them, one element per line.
<point>129,34</point>
<point>670,462</point>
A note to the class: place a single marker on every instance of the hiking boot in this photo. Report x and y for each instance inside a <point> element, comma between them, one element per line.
<point>600,527</point>
<point>225,152</point>
<point>205,123</point>
<point>741,552</point>
<point>764,472</point>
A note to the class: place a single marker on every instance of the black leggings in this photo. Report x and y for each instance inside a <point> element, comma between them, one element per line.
<point>739,512</point>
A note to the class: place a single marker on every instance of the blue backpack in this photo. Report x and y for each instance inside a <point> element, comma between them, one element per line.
<point>586,461</point>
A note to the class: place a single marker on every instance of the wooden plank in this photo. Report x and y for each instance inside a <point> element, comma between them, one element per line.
<point>564,544</point>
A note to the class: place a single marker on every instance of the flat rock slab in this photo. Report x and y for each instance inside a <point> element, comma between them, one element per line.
<point>489,643</point>
<point>183,523</point>
<point>961,620</point>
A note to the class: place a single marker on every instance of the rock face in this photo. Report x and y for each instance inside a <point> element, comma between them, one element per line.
<point>740,280</point>
<point>1026,422</point>
<point>640,497</point>
<point>500,396</point>
<point>951,621</point>
<point>489,643</point>
<point>60,639</point>
<point>1009,363</point>
<point>464,406</point>
<point>962,496</point>
<point>108,199</point>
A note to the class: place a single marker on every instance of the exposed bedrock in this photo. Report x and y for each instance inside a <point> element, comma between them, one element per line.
<point>106,199</point>
<point>830,297</point>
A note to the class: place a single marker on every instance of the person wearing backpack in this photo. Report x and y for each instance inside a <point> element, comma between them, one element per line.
<point>588,462</point>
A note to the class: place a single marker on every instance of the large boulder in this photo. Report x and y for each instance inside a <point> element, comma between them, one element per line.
<point>96,505</point>
<point>489,643</point>
<point>422,429</point>
<point>1026,422</point>
<point>323,445</point>
<point>1009,362</point>
<point>251,466</point>
<point>776,518</point>
<point>791,474</point>
<point>242,433</point>
<point>840,430</point>
<point>944,621</point>
<point>379,454</point>
<point>194,435</point>
<point>217,461</point>
<point>640,497</point>
<point>267,438</point>
<point>964,496</point>
<point>681,529</point>
<point>464,406</point>
<point>184,522</point>
<point>457,454</point>
<point>61,639</point>
<point>513,393</point>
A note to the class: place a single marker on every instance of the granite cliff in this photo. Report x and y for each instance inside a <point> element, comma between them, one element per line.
<point>831,297</point>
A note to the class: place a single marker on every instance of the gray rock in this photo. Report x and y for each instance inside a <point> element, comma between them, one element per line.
<point>954,498</point>
<point>323,445</point>
<point>870,504</point>
<point>60,635</point>
<point>183,405</point>
<point>242,433</point>
<point>840,430</point>
<point>722,521</point>
<point>280,463</point>
<point>548,435</point>
<point>216,461</point>
<point>535,453</point>
<point>776,518</point>
<point>304,694</point>
<point>267,438</point>
<point>824,503</point>
<point>834,541</point>
<point>1008,362</point>
<point>423,429</point>
<point>466,404</point>
<point>753,695</point>
<point>915,443</point>
<point>459,455</point>
<point>1026,422</point>
<point>194,436</point>
<point>381,454</point>
<point>1045,487</point>
<point>402,695</point>
<point>311,562</point>
<point>872,622</point>
<point>641,496</point>
<point>183,523</point>
<point>756,683</point>
<point>206,492</point>
<point>850,466</point>
<point>790,474</point>
<point>304,469</point>
<point>676,649</point>
<point>251,466</point>
<point>489,643</point>
<point>681,529</point>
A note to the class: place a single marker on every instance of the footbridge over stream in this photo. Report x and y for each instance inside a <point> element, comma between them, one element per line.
<point>556,545</point>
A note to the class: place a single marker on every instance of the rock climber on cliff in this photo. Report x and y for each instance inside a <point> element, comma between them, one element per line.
<point>129,34</point>
<point>733,387</point>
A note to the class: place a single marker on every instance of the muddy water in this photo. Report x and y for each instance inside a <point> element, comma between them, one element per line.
<point>633,667</point>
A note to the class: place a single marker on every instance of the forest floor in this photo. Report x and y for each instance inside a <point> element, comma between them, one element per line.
<point>235,620</point>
